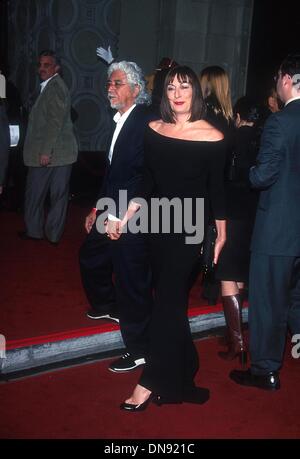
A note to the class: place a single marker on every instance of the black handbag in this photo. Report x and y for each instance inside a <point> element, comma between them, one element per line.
<point>208,249</point>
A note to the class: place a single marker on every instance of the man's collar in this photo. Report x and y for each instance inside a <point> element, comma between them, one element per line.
<point>119,115</point>
<point>291,100</point>
<point>44,83</point>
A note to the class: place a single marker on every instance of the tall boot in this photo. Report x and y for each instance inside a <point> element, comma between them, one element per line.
<point>224,340</point>
<point>233,319</point>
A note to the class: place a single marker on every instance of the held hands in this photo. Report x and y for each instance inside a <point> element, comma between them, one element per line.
<point>106,55</point>
<point>113,229</point>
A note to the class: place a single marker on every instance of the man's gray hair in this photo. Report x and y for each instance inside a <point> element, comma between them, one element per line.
<point>134,77</point>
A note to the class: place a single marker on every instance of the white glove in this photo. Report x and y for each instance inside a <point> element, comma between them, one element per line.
<point>106,55</point>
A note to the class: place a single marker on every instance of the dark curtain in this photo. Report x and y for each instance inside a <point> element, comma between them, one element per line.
<point>275,33</point>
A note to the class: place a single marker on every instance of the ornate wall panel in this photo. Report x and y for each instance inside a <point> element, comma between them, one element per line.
<point>73,28</point>
<point>197,33</point>
<point>194,32</point>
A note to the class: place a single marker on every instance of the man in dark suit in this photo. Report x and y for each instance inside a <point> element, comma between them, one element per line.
<point>274,286</point>
<point>127,258</point>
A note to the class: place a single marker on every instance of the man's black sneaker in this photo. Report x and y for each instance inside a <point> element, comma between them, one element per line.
<point>98,315</point>
<point>126,363</point>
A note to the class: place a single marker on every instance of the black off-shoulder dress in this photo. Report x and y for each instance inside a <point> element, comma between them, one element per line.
<point>176,168</point>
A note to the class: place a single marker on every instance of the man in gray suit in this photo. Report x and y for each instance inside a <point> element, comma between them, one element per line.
<point>274,284</point>
<point>50,149</point>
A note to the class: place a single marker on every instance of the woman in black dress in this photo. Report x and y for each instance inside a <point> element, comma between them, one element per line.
<point>233,265</point>
<point>184,158</point>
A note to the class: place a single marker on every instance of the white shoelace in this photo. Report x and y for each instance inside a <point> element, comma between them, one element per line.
<point>125,355</point>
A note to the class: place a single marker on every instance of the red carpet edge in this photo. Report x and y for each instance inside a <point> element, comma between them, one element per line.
<point>36,354</point>
<point>103,328</point>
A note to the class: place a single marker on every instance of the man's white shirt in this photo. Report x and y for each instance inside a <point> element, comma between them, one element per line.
<point>44,84</point>
<point>119,120</point>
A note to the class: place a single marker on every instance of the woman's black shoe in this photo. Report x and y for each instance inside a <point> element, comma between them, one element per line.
<point>140,406</point>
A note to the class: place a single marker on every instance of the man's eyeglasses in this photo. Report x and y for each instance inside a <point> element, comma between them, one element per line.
<point>116,84</point>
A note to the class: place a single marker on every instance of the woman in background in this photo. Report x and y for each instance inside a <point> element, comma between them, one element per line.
<point>215,85</point>
<point>233,267</point>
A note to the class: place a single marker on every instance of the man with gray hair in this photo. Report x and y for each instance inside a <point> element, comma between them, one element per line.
<point>126,258</point>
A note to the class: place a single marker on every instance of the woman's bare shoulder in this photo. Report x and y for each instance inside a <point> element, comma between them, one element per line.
<point>210,132</point>
<point>156,125</point>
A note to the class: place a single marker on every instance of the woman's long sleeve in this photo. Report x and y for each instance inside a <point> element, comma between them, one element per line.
<point>216,182</point>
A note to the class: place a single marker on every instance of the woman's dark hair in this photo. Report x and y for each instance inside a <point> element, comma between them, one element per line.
<point>183,74</point>
<point>247,109</point>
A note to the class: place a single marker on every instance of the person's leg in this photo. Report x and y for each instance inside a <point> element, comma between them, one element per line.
<point>294,311</point>
<point>59,198</point>
<point>232,305</point>
<point>37,185</point>
<point>133,291</point>
<point>269,302</point>
<point>229,288</point>
<point>96,272</point>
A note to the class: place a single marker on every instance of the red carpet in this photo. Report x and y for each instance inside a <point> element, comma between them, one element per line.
<point>83,402</point>
<point>41,295</point>
<point>41,291</point>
